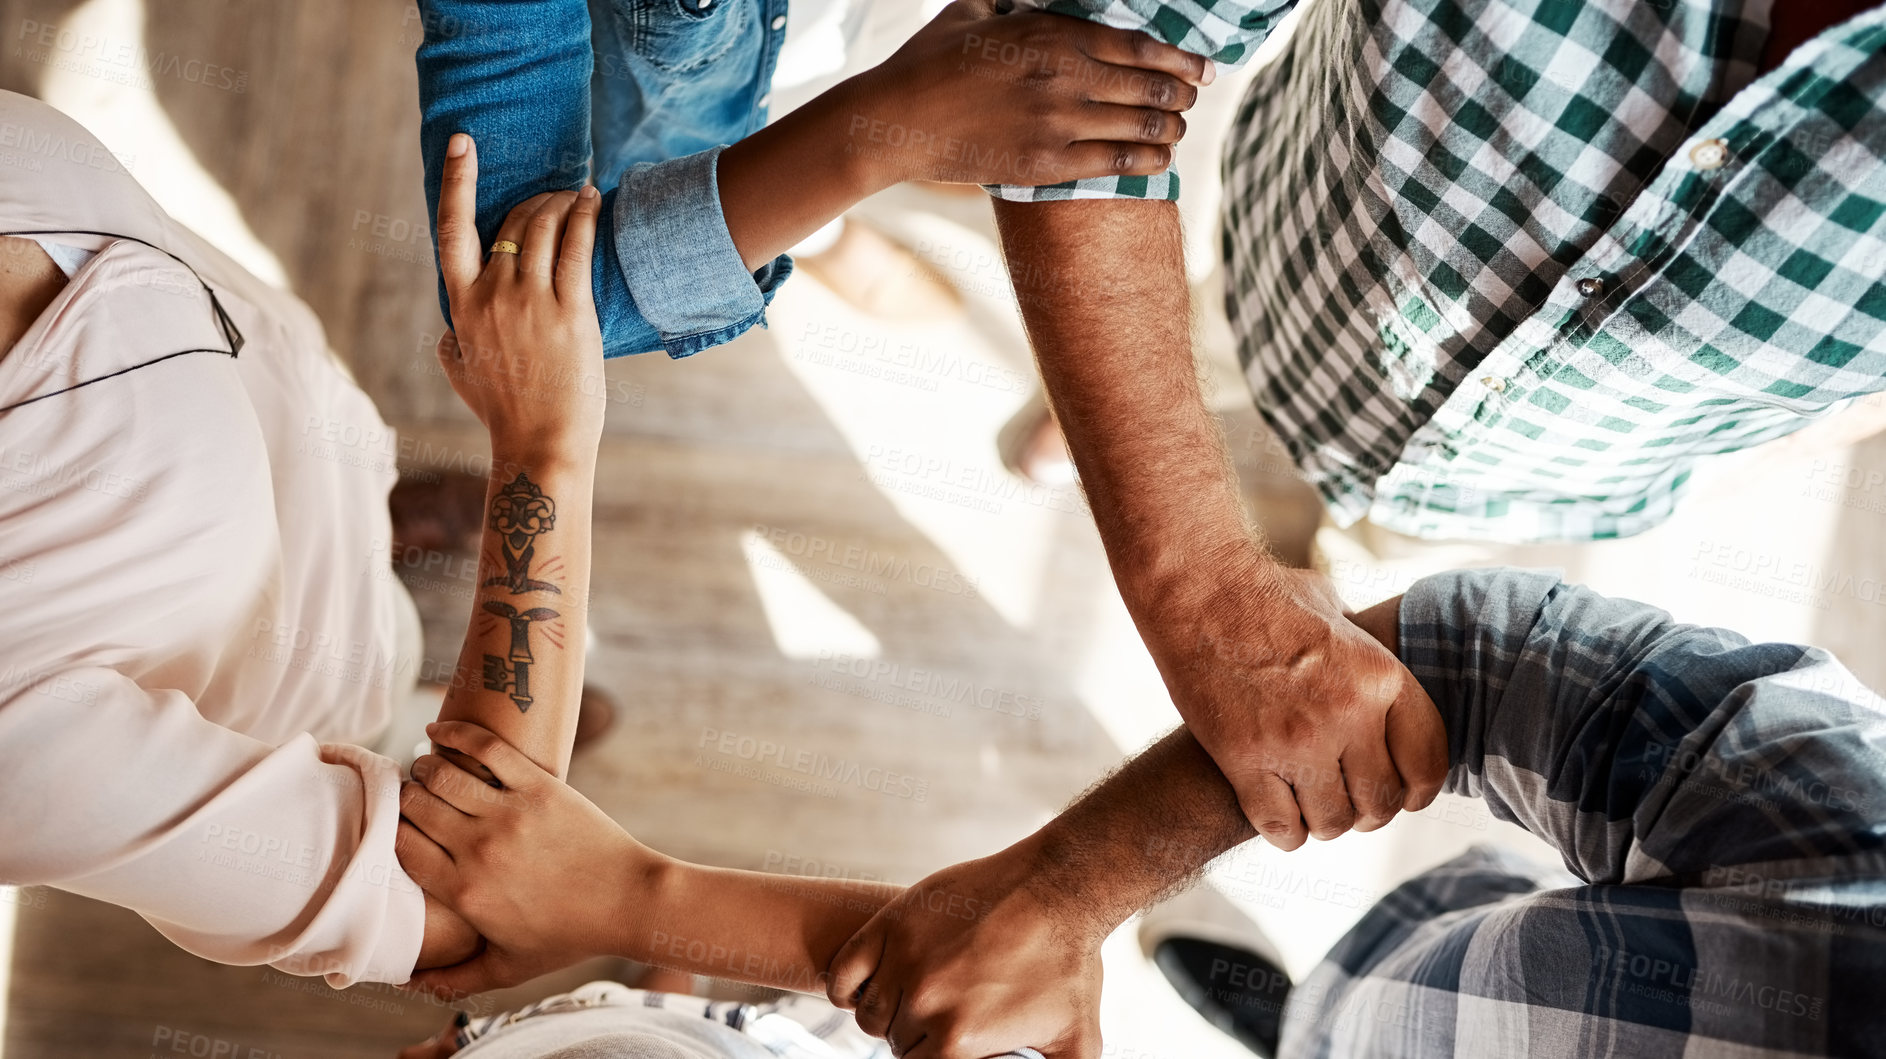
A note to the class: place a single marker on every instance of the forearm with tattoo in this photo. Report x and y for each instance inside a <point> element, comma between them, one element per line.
<point>520,672</point>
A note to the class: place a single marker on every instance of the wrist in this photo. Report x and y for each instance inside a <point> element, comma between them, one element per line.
<point>642,883</point>
<point>542,452</point>
<point>857,131</point>
<point>1076,902</point>
<point>1172,582</point>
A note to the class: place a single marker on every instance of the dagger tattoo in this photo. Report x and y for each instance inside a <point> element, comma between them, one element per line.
<point>512,674</point>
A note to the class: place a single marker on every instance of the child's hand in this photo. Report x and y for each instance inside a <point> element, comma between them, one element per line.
<point>526,350</point>
<point>536,868</point>
<point>976,97</point>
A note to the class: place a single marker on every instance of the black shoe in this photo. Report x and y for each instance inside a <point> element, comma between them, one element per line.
<point>1235,989</point>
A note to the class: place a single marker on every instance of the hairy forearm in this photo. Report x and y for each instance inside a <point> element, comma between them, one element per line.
<point>1136,836</point>
<point>785,181</point>
<point>1153,825</point>
<point>1102,291</point>
<point>520,671</point>
<point>769,930</point>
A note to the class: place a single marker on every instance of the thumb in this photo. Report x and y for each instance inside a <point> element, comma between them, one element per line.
<point>854,965</point>
<point>1417,742</point>
<point>479,974</point>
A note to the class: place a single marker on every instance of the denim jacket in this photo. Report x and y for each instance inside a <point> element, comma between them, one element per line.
<point>650,90</point>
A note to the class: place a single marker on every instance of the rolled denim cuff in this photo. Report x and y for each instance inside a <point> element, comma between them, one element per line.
<point>678,259</point>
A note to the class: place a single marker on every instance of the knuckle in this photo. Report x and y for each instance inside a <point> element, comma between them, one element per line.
<point>1295,730</point>
<point>482,744</point>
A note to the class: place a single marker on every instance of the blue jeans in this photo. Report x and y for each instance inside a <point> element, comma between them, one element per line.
<point>647,90</point>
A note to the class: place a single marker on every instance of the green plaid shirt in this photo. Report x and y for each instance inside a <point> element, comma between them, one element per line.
<point>1509,270</point>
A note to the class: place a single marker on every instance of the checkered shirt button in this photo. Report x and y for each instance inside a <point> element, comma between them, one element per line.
<point>1710,154</point>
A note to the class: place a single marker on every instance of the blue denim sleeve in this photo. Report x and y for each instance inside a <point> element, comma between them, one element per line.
<point>515,75</point>
<point>682,269</point>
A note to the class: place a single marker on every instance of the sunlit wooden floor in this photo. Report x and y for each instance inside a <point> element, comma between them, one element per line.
<point>779,523</point>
